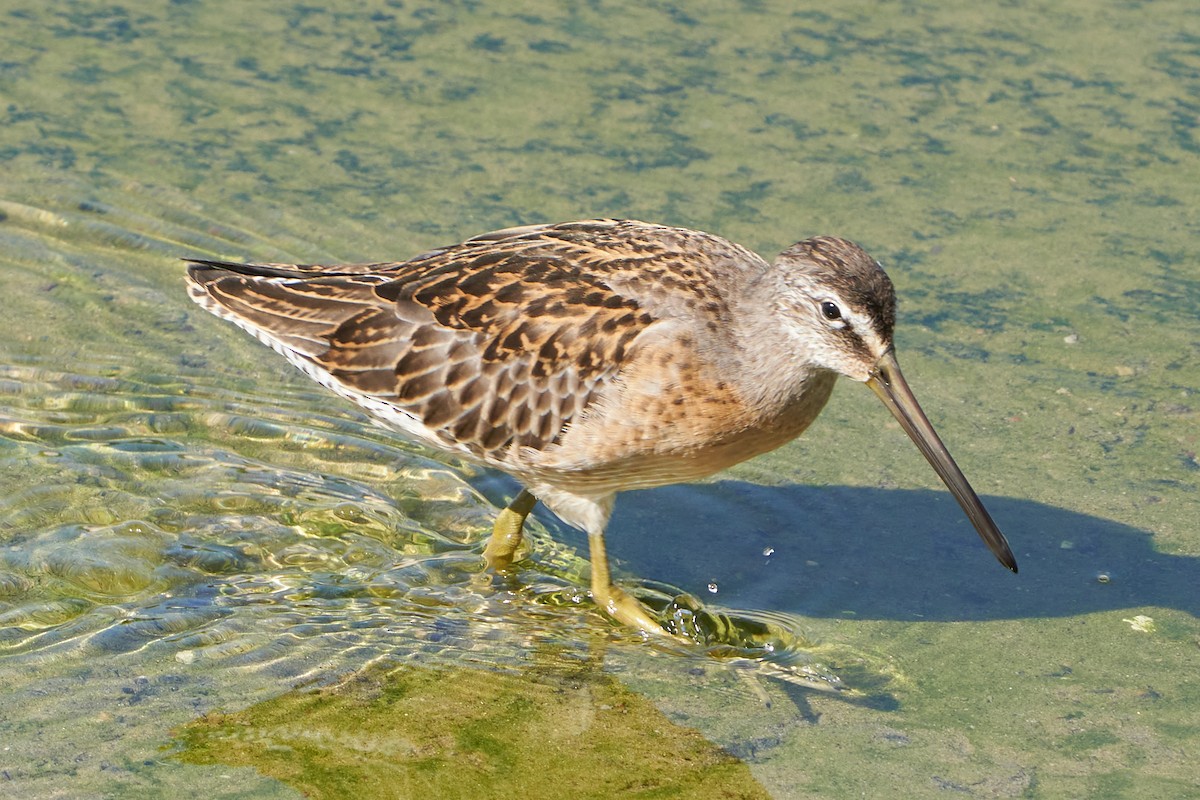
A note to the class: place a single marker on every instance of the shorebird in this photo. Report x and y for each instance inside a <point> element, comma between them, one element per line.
<point>587,358</point>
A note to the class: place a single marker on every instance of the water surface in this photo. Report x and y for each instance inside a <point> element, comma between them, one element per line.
<point>189,529</point>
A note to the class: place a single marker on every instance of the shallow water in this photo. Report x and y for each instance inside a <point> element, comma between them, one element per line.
<point>187,526</point>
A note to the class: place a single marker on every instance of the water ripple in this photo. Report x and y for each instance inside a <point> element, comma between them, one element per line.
<point>232,525</point>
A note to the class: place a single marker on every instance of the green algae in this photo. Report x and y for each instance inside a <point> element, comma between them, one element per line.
<point>448,733</point>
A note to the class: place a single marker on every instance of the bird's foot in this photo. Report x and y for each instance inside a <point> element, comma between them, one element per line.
<point>629,611</point>
<point>508,532</point>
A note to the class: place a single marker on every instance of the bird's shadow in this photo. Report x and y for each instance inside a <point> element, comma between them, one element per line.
<point>888,554</point>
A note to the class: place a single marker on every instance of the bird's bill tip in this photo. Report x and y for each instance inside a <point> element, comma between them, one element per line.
<point>889,385</point>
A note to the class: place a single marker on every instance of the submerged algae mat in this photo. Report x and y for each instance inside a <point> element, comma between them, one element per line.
<point>454,732</point>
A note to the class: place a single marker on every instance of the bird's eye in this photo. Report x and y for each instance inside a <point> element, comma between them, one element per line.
<point>830,310</point>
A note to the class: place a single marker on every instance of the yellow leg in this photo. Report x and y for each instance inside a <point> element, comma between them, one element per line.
<point>617,603</point>
<point>506,533</point>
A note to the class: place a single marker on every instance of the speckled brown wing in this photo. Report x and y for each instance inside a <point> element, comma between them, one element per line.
<point>502,340</point>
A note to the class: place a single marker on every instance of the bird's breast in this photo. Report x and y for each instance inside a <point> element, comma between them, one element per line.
<point>673,417</point>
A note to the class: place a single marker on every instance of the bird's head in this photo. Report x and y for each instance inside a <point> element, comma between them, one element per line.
<point>839,308</point>
<point>838,302</point>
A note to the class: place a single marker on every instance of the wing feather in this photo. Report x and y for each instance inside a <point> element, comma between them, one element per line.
<point>499,342</point>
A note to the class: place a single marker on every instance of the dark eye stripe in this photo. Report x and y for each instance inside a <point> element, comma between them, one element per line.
<point>852,342</point>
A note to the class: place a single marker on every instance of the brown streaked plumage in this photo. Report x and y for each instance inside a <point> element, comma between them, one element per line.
<point>590,357</point>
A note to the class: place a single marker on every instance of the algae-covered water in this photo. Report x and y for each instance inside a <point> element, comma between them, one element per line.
<point>216,579</point>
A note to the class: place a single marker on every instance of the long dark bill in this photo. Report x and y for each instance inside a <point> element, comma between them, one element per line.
<point>888,382</point>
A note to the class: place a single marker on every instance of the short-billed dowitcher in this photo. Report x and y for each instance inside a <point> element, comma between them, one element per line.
<point>587,358</point>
